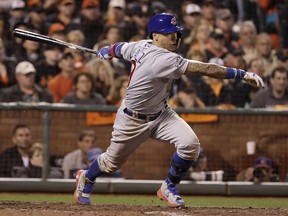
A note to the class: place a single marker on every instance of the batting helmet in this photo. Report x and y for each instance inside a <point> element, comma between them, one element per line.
<point>163,23</point>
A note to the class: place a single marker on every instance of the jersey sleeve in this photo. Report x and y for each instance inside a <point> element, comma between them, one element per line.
<point>169,65</point>
<point>127,50</point>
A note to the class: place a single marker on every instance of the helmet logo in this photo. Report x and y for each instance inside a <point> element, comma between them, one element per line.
<point>173,21</point>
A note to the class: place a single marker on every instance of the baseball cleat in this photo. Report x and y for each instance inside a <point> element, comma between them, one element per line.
<point>83,188</point>
<point>170,194</point>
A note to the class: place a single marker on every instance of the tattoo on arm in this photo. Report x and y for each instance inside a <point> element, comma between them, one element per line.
<point>206,69</point>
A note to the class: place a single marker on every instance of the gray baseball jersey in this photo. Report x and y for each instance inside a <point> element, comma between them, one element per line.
<point>152,78</point>
<point>153,72</point>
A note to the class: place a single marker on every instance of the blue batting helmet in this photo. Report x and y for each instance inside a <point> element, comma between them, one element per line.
<point>163,23</point>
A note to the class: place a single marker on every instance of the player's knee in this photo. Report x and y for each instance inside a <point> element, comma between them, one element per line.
<point>189,150</point>
<point>105,165</point>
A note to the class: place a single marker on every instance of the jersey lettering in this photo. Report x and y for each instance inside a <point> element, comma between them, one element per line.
<point>139,54</point>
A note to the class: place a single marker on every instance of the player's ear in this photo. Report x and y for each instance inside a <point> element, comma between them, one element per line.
<point>155,36</point>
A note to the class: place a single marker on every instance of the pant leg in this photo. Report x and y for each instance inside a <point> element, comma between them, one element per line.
<point>128,134</point>
<point>172,128</point>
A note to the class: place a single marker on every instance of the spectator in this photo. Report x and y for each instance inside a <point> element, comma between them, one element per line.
<point>64,15</point>
<point>199,37</point>
<point>244,94</point>
<point>25,90</point>
<point>112,34</point>
<point>5,33</point>
<point>5,67</point>
<point>78,158</point>
<point>265,50</point>
<point>48,67</point>
<point>36,162</point>
<point>80,58</point>
<point>186,97</point>
<point>276,93</point>
<point>247,37</point>
<point>214,92</point>
<point>135,21</point>
<point>216,45</point>
<point>235,59</point>
<point>268,15</point>
<point>17,155</point>
<point>208,9</point>
<point>115,12</point>
<point>197,55</point>
<point>137,38</point>
<point>191,16</point>
<point>103,76</point>
<point>16,43</point>
<point>283,23</point>
<point>50,6</point>
<point>36,17</point>
<point>282,58</point>
<point>224,21</point>
<point>83,92</point>
<point>199,170</point>
<point>62,83</point>
<point>264,170</point>
<point>118,90</point>
<point>29,51</point>
<point>16,12</point>
<point>92,23</point>
<point>57,31</point>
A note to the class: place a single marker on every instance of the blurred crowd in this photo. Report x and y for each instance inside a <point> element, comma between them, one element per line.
<point>251,35</point>
<point>26,159</point>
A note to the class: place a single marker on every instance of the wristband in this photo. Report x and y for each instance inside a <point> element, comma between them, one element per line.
<point>115,50</point>
<point>233,73</point>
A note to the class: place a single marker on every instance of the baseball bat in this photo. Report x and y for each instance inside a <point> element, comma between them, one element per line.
<point>28,35</point>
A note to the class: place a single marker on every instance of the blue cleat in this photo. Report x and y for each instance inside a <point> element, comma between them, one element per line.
<point>83,188</point>
<point>170,194</point>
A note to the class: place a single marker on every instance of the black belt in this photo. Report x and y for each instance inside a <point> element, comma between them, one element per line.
<point>151,117</point>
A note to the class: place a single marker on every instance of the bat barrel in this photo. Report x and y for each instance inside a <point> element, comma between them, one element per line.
<point>27,35</point>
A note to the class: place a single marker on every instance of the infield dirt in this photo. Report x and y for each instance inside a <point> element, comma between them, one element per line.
<point>17,208</point>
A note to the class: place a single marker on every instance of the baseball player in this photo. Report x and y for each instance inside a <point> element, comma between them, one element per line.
<point>144,113</point>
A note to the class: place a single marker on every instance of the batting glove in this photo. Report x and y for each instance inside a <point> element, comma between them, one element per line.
<point>104,53</point>
<point>254,79</point>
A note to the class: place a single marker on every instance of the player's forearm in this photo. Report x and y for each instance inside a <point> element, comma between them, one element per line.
<point>206,69</point>
<point>221,72</point>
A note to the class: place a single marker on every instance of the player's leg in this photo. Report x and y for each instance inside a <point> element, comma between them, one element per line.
<point>127,135</point>
<point>175,130</point>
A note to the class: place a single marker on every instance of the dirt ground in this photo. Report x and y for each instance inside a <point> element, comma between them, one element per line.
<point>17,208</point>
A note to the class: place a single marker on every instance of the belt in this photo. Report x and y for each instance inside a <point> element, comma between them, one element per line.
<point>151,117</point>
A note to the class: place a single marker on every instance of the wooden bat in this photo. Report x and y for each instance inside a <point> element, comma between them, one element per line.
<point>28,35</point>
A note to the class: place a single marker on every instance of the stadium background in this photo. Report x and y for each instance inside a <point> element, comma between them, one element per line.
<point>223,133</point>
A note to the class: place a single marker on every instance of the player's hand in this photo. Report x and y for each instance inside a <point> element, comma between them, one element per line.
<point>104,53</point>
<point>254,79</point>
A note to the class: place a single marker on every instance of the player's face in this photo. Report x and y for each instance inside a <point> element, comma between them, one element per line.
<point>167,41</point>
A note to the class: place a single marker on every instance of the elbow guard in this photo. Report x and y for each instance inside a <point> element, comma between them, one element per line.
<point>115,50</point>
